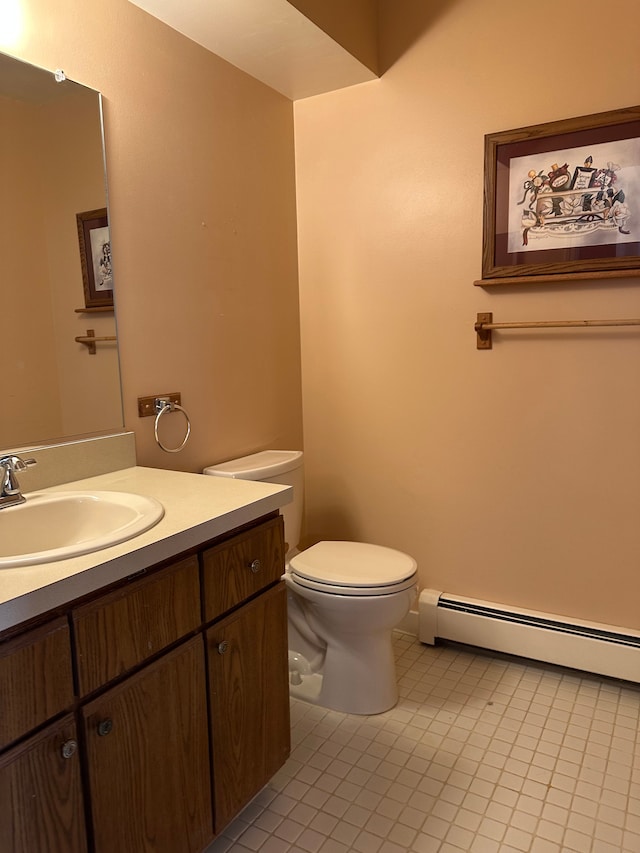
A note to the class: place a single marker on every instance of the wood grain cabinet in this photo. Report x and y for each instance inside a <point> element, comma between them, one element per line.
<point>123,629</point>
<point>144,719</point>
<point>41,805</point>
<point>148,758</point>
<point>241,567</point>
<point>36,680</point>
<point>248,676</point>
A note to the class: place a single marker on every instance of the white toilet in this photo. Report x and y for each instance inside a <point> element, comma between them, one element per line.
<point>344,600</point>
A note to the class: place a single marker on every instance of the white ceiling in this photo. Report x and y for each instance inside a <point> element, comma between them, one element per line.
<point>269,39</point>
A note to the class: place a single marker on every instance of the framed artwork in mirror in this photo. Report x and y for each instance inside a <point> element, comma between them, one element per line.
<point>563,198</point>
<point>95,258</point>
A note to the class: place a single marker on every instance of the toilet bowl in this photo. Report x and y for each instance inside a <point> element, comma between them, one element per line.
<point>349,596</point>
<point>344,599</point>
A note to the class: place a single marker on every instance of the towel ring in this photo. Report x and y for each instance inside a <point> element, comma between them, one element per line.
<point>162,407</point>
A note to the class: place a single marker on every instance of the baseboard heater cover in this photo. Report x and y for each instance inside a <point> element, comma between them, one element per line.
<point>591,647</point>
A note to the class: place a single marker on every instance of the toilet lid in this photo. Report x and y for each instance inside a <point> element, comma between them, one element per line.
<point>297,582</point>
<point>353,564</point>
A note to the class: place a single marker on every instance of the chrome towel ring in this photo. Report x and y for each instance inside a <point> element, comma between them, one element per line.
<point>162,406</point>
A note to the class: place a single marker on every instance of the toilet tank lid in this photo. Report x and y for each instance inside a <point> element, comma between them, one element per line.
<point>258,466</point>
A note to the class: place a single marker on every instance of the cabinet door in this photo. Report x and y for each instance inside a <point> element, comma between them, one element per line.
<point>242,567</point>
<point>121,630</point>
<point>148,758</point>
<point>248,676</point>
<point>40,794</point>
<point>35,674</point>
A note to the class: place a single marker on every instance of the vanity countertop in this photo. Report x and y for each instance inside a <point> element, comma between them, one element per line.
<point>197,508</point>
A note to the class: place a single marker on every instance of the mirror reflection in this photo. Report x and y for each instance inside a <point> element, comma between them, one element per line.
<point>53,288</point>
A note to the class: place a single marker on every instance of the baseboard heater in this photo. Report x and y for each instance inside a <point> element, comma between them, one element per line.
<point>591,647</point>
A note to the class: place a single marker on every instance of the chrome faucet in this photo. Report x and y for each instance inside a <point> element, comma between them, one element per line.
<point>10,494</point>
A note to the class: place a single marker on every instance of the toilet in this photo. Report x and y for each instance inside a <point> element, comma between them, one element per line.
<point>344,599</point>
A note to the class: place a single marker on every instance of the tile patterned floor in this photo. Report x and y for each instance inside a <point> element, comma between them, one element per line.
<point>485,754</point>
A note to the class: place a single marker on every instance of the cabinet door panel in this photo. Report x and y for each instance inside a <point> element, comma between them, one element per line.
<point>241,567</point>
<point>148,759</point>
<point>248,676</point>
<point>35,673</point>
<point>41,806</point>
<point>122,629</point>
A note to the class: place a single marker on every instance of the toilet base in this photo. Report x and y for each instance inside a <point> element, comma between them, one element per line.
<point>308,689</point>
<point>347,641</point>
<point>349,688</point>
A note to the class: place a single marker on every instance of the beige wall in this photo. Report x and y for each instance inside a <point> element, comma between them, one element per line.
<point>29,364</point>
<point>511,475</point>
<point>202,202</point>
<point>52,168</point>
<point>71,155</point>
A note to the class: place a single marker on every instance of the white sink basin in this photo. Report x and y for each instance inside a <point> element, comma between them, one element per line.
<point>56,526</point>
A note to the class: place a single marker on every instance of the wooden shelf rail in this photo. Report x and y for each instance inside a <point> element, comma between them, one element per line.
<point>484,326</point>
<point>90,340</point>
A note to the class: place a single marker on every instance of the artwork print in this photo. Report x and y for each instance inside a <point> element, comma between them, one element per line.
<point>578,197</point>
<point>101,258</point>
<point>95,258</point>
<point>563,199</point>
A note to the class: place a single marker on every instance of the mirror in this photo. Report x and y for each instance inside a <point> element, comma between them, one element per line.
<point>51,170</point>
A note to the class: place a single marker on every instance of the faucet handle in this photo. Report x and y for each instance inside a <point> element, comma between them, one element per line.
<point>23,464</point>
<point>16,463</point>
<point>9,487</point>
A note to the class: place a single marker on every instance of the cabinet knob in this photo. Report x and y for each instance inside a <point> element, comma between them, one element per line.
<point>222,647</point>
<point>255,566</point>
<point>105,727</point>
<point>69,748</point>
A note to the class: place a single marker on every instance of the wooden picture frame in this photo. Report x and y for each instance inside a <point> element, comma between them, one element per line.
<point>95,258</point>
<point>563,199</point>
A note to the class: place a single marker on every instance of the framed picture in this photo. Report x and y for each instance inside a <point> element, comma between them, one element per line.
<point>95,258</point>
<point>563,197</point>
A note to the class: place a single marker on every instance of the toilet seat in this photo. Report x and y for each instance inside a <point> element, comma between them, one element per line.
<point>353,568</point>
<point>357,591</point>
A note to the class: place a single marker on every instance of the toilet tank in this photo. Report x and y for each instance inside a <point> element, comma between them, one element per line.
<point>272,466</point>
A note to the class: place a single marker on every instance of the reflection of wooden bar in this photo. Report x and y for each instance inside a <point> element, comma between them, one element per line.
<point>95,310</point>
<point>89,340</point>
<point>484,325</point>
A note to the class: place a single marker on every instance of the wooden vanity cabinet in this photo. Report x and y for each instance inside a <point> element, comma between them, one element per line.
<point>148,758</point>
<point>120,630</point>
<point>36,679</point>
<point>241,567</point>
<point>181,706</point>
<point>249,693</point>
<point>247,664</point>
<point>41,804</point>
